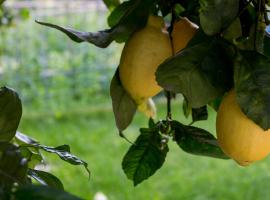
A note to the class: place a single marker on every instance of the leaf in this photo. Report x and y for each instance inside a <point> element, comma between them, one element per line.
<point>186,108</point>
<point>46,178</point>
<point>119,12</point>
<point>129,23</point>
<point>10,113</point>
<point>199,114</point>
<point>252,83</point>
<point>111,3</point>
<point>64,153</point>
<point>25,138</point>
<point>144,157</point>
<point>178,9</point>
<point>201,72</point>
<point>124,107</point>
<point>234,31</point>
<point>215,103</point>
<point>196,141</point>
<point>215,15</point>
<point>100,39</point>
<point>42,193</point>
<point>199,37</point>
<point>13,167</point>
<point>151,123</point>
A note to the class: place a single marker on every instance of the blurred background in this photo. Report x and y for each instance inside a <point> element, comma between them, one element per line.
<point>64,88</point>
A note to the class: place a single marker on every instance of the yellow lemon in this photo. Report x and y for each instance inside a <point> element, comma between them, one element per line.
<point>239,137</point>
<point>183,31</point>
<point>142,54</point>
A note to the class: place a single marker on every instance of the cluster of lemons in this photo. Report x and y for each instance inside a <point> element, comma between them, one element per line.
<point>238,136</point>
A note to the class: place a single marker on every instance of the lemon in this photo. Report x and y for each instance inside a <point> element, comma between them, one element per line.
<point>145,50</point>
<point>239,137</point>
<point>183,31</point>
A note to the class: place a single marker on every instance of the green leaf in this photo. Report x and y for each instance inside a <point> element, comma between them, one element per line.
<point>46,178</point>
<point>42,193</point>
<point>145,157</point>
<point>215,15</point>
<point>196,141</point>
<point>201,72</point>
<point>13,167</point>
<point>252,83</point>
<point>215,103</point>
<point>124,107</point>
<point>199,114</point>
<point>25,139</point>
<point>111,3</point>
<point>31,153</point>
<point>234,31</point>
<point>119,12</point>
<point>10,113</point>
<point>186,108</point>
<point>191,10</point>
<point>129,23</point>
<point>178,9</point>
<point>100,39</point>
<point>64,153</point>
<point>199,37</point>
<point>151,123</point>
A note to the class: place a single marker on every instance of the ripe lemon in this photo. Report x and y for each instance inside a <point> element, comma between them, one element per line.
<point>239,137</point>
<point>142,54</point>
<point>183,31</point>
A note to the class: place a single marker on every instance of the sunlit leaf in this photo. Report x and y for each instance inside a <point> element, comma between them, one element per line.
<point>62,151</point>
<point>111,3</point>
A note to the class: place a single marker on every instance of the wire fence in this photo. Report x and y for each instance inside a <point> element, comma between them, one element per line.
<point>49,70</point>
<point>57,7</point>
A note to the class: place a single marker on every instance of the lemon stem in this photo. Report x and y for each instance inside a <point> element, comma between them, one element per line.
<point>169,113</point>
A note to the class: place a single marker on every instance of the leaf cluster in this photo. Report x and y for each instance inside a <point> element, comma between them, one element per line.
<point>20,154</point>
<point>230,51</point>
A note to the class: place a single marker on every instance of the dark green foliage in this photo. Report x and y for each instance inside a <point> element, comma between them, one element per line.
<point>10,115</point>
<point>252,81</point>
<point>201,72</point>
<point>46,178</point>
<point>145,156</point>
<point>215,15</point>
<point>42,193</point>
<point>199,114</point>
<point>125,19</point>
<point>124,107</point>
<point>196,141</point>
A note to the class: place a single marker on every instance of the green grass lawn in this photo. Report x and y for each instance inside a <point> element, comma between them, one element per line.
<point>92,135</point>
